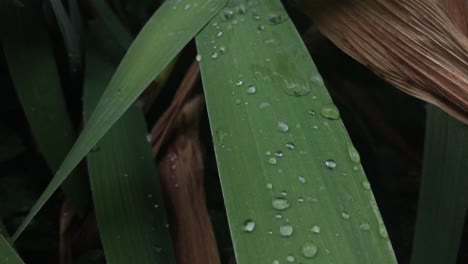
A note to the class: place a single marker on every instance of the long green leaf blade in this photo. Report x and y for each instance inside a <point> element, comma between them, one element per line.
<point>110,19</point>
<point>29,55</point>
<point>124,182</point>
<point>70,35</point>
<point>7,254</point>
<point>292,181</point>
<point>443,196</point>
<point>165,34</point>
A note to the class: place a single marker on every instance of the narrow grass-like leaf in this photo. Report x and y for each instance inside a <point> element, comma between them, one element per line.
<point>3,230</point>
<point>7,254</point>
<point>75,17</point>
<point>165,34</point>
<point>443,196</point>
<point>120,33</point>
<point>30,59</point>
<point>124,182</point>
<point>69,34</point>
<point>292,181</point>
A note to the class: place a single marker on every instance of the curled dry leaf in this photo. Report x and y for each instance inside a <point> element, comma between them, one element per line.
<point>411,44</point>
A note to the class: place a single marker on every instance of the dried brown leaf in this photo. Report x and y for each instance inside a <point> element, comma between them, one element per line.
<point>181,172</point>
<point>411,44</point>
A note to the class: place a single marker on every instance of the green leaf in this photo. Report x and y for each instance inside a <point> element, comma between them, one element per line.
<point>75,17</point>
<point>31,62</point>
<point>112,22</point>
<point>70,35</point>
<point>292,181</point>
<point>10,144</point>
<point>443,197</point>
<point>165,34</point>
<point>7,254</point>
<point>124,182</point>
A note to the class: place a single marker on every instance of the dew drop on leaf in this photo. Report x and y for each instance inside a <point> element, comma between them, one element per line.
<point>280,203</point>
<point>330,112</point>
<point>272,161</point>
<point>315,229</point>
<point>286,230</point>
<point>309,249</point>
<point>251,89</point>
<point>345,215</point>
<point>283,126</point>
<point>364,226</point>
<point>249,225</point>
<point>366,185</point>
<point>331,164</point>
<point>290,258</point>
<point>353,154</point>
<point>290,145</point>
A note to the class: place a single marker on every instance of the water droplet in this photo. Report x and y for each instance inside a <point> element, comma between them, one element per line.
<point>290,258</point>
<point>251,89</point>
<point>220,136</point>
<point>315,127</point>
<point>301,179</point>
<point>222,49</point>
<point>278,216</point>
<point>238,101</point>
<point>312,113</point>
<point>149,138</point>
<point>156,206</point>
<point>264,105</point>
<point>300,199</point>
<point>241,9</point>
<point>354,154</point>
<point>330,112</point>
<point>219,34</point>
<point>383,232</point>
<point>275,262</point>
<point>286,230</point>
<point>269,186</point>
<point>279,154</point>
<point>228,14</point>
<point>331,164</point>
<point>366,185</point>
<point>280,203</point>
<point>309,249</point>
<point>355,168</point>
<point>290,145</point>
<point>198,57</point>
<point>272,42</point>
<point>272,161</point>
<point>214,55</point>
<point>284,193</point>
<point>187,7</point>
<point>295,89</point>
<point>268,153</point>
<point>277,18</point>
<point>239,82</point>
<point>261,27</point>
<point>317,80</point>
<point>345,215</point>
<point>249,225</point>
<point>364,226</point>
<point>315,229</point>
<point>95,148</point>
<point>282,126</point>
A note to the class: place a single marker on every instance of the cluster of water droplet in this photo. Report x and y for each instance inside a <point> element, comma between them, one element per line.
<point>238,12</point>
